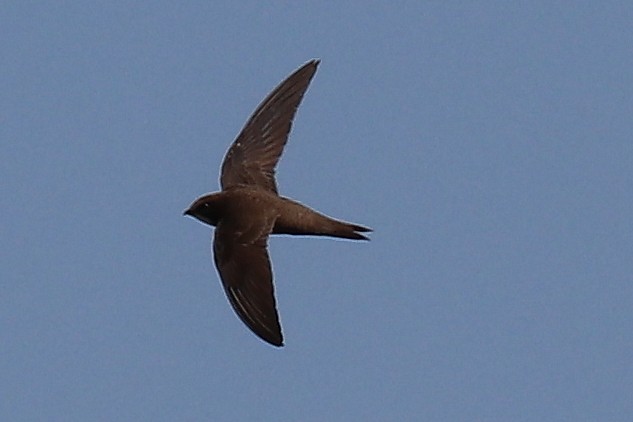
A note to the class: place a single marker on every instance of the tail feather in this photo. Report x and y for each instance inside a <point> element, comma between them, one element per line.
<point>349,231</point>
<point>297,219</point>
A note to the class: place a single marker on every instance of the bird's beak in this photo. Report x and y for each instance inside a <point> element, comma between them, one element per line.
<point>187,211</point>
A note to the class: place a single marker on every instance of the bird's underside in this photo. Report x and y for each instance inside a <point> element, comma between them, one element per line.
<point>248,209</point>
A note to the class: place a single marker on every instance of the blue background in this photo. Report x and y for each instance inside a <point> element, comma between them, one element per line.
<point>489,144</point>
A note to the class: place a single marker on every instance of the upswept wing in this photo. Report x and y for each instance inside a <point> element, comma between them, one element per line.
<point>252,157</point>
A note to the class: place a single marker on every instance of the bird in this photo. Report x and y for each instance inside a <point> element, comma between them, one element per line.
<point>248,209</point>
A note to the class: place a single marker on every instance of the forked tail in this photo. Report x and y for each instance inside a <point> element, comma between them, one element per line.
<point>347,230</point>
<point>297,219</point>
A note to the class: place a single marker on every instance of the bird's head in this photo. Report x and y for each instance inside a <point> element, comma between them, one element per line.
<point>207,208</point>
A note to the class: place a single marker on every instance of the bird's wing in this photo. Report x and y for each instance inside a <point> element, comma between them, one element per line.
<point>252,157</point>
<point>240,255</point>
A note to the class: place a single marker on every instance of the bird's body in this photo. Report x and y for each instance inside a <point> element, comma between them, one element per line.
<point>290,217</point>
<point>249,209</point>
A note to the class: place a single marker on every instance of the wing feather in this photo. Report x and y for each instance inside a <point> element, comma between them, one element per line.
<point>253,156</point>
<point>243,263</point>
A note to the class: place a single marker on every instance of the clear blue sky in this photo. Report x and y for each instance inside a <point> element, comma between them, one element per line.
<point>489,144</point>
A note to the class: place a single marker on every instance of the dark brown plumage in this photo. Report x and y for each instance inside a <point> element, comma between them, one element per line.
<point>249,209</point>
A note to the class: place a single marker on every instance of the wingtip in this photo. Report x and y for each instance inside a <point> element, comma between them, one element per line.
<point>274,342</point>
<point>314,63</point>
